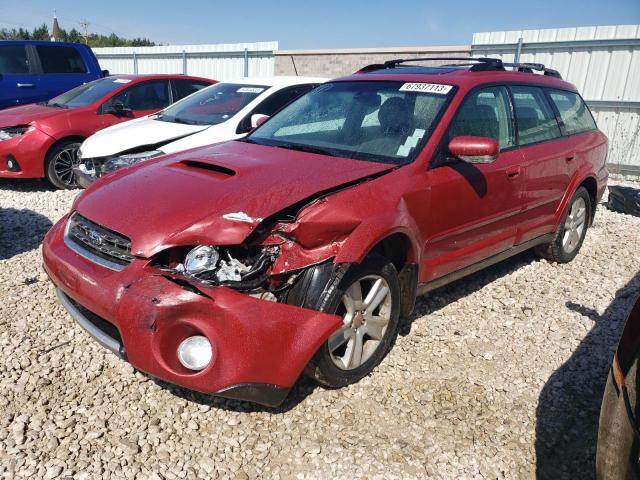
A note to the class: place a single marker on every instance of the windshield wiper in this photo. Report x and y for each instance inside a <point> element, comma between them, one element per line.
<point>57,105</point>
<point>185,122</point>
<point>304,148</point>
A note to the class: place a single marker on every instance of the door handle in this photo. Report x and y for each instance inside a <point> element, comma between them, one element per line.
<point>513,172</point>
<point>25,85</point>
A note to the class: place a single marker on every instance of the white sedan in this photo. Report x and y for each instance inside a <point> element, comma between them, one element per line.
<point>224,111</point>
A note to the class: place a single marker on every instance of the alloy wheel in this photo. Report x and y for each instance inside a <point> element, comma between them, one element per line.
<point>63,164</point>
<point>366,310</point>
<point>574,225</point>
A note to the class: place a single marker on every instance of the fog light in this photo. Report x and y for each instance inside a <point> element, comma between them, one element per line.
<point>12,164</point>
<point>195,352</point>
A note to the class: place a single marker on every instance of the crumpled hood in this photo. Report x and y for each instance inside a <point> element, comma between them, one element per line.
<point>211,195</point>
<point>135,133</point>
<point>27,114</point>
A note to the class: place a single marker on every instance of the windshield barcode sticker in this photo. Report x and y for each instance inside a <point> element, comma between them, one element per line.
<point>250,90</point>
<point>426,88</point>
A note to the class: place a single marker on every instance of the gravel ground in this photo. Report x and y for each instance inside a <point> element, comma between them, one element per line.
<point>499,375</point>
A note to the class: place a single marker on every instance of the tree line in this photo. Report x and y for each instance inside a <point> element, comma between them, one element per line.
<point>74,35</point>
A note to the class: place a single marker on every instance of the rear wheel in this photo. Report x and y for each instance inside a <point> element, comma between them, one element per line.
<point>568,240</point>
<point>368,300</point>
<point>60,161</point>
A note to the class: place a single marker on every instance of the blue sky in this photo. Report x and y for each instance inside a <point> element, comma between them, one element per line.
<point>318,24</point>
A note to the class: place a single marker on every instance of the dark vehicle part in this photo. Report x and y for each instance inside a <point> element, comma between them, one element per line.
<point>624,200</point>
<point>368,299</point>
<point>618,456</point>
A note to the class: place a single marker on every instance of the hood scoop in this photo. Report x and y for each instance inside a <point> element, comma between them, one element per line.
<point>206,166</point>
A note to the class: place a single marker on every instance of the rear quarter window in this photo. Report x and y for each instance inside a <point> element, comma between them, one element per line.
<point>573,111</point>
<point>60,60</point>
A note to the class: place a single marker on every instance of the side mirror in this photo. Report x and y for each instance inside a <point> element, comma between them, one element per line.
<point>105,73</point>
<point>258,119</point>
<point>119,110</point>
<point>474,149</point>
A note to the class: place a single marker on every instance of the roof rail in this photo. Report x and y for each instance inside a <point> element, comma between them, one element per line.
<point>481,64</point>
<point>476,65</point>
<point>530,67</point>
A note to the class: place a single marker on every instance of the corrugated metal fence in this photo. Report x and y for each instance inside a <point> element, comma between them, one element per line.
<point>603,62</point>
<point>220,62</point>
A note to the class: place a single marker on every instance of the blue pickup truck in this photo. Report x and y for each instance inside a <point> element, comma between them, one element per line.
<point>33,71</point>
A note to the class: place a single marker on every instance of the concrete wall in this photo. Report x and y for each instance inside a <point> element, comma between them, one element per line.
<point>340,62</point>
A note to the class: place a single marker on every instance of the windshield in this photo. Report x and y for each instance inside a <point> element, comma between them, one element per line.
<point>87,94</point>
<point>367,120</point>
<point>212,105</point>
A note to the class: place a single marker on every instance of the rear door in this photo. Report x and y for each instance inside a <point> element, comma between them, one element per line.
<point>18,77</point>
<point>546,154</point>
<point>62,67</point>
<point>474,208</point>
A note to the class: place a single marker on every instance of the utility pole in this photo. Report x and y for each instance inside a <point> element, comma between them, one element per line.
<point>85,26</point>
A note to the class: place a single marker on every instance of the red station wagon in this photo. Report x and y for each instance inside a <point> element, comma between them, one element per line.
<point>232,269</point>
<point>42,140</point>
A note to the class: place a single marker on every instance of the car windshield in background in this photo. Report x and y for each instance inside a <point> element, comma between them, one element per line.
<point>87,94</point>
<point>379,121</point>
<point>212,105</point>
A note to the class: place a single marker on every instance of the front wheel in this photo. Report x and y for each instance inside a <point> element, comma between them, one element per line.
<point>60,162</point>
<point>568,239</point>
<point>368,300</point>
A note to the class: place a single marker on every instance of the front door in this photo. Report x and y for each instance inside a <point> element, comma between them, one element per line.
<point>473,207</point>
<point>141,99</point>
<point>18,79</point>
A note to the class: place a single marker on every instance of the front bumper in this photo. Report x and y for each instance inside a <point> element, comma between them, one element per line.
<point>260,347</point>
<point>29,151</point>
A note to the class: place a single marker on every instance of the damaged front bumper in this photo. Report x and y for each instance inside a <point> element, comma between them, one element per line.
<point>142,314</point>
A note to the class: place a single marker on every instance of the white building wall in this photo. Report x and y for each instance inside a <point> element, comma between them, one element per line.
<point>220,61</point>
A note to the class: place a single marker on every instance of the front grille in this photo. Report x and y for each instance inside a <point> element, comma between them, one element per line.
<point>99,241</point>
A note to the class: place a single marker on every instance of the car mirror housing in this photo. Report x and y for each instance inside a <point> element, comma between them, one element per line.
<point>118,109</point>
<point>474,149</point>
<point>258,119</point>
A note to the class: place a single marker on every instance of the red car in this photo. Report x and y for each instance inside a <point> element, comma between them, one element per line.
<point>233,268</point>
<point>42,140</point>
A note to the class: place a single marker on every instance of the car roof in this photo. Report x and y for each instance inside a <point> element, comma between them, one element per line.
<point>277,81</point>
<point>44,42</point>
<point>139,77</point>
<point>460,76</point>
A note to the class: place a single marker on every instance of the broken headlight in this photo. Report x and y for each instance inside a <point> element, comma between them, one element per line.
<point>244,268</point>
<point>128,160</point>
<point>201,259</point>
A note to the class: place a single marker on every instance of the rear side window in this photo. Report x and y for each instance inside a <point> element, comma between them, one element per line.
<point>60,59</point>
<point>574,113</point>
<point>535,118</point>
<point>184,88</point>
<point>13,60</point>
<point>152,95</point>
<point>485,113</point>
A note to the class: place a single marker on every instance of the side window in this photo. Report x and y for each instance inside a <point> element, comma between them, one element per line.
<point>184,88</point>
<point>152,95</point>
<point>13,60</point>
<point>60,60</point>
<point>485,113</point>
<point>273,103</point>
<point>534,117</point>
<point>574,113</point>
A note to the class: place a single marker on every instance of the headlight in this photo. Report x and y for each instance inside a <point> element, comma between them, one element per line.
<point>128,159</point>
<point>12,132</point>
<point>201,259</point>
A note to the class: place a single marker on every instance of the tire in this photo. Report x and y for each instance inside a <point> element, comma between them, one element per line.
<point>59,164</point>
<point>568,240</point>
<point>352,352</point>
